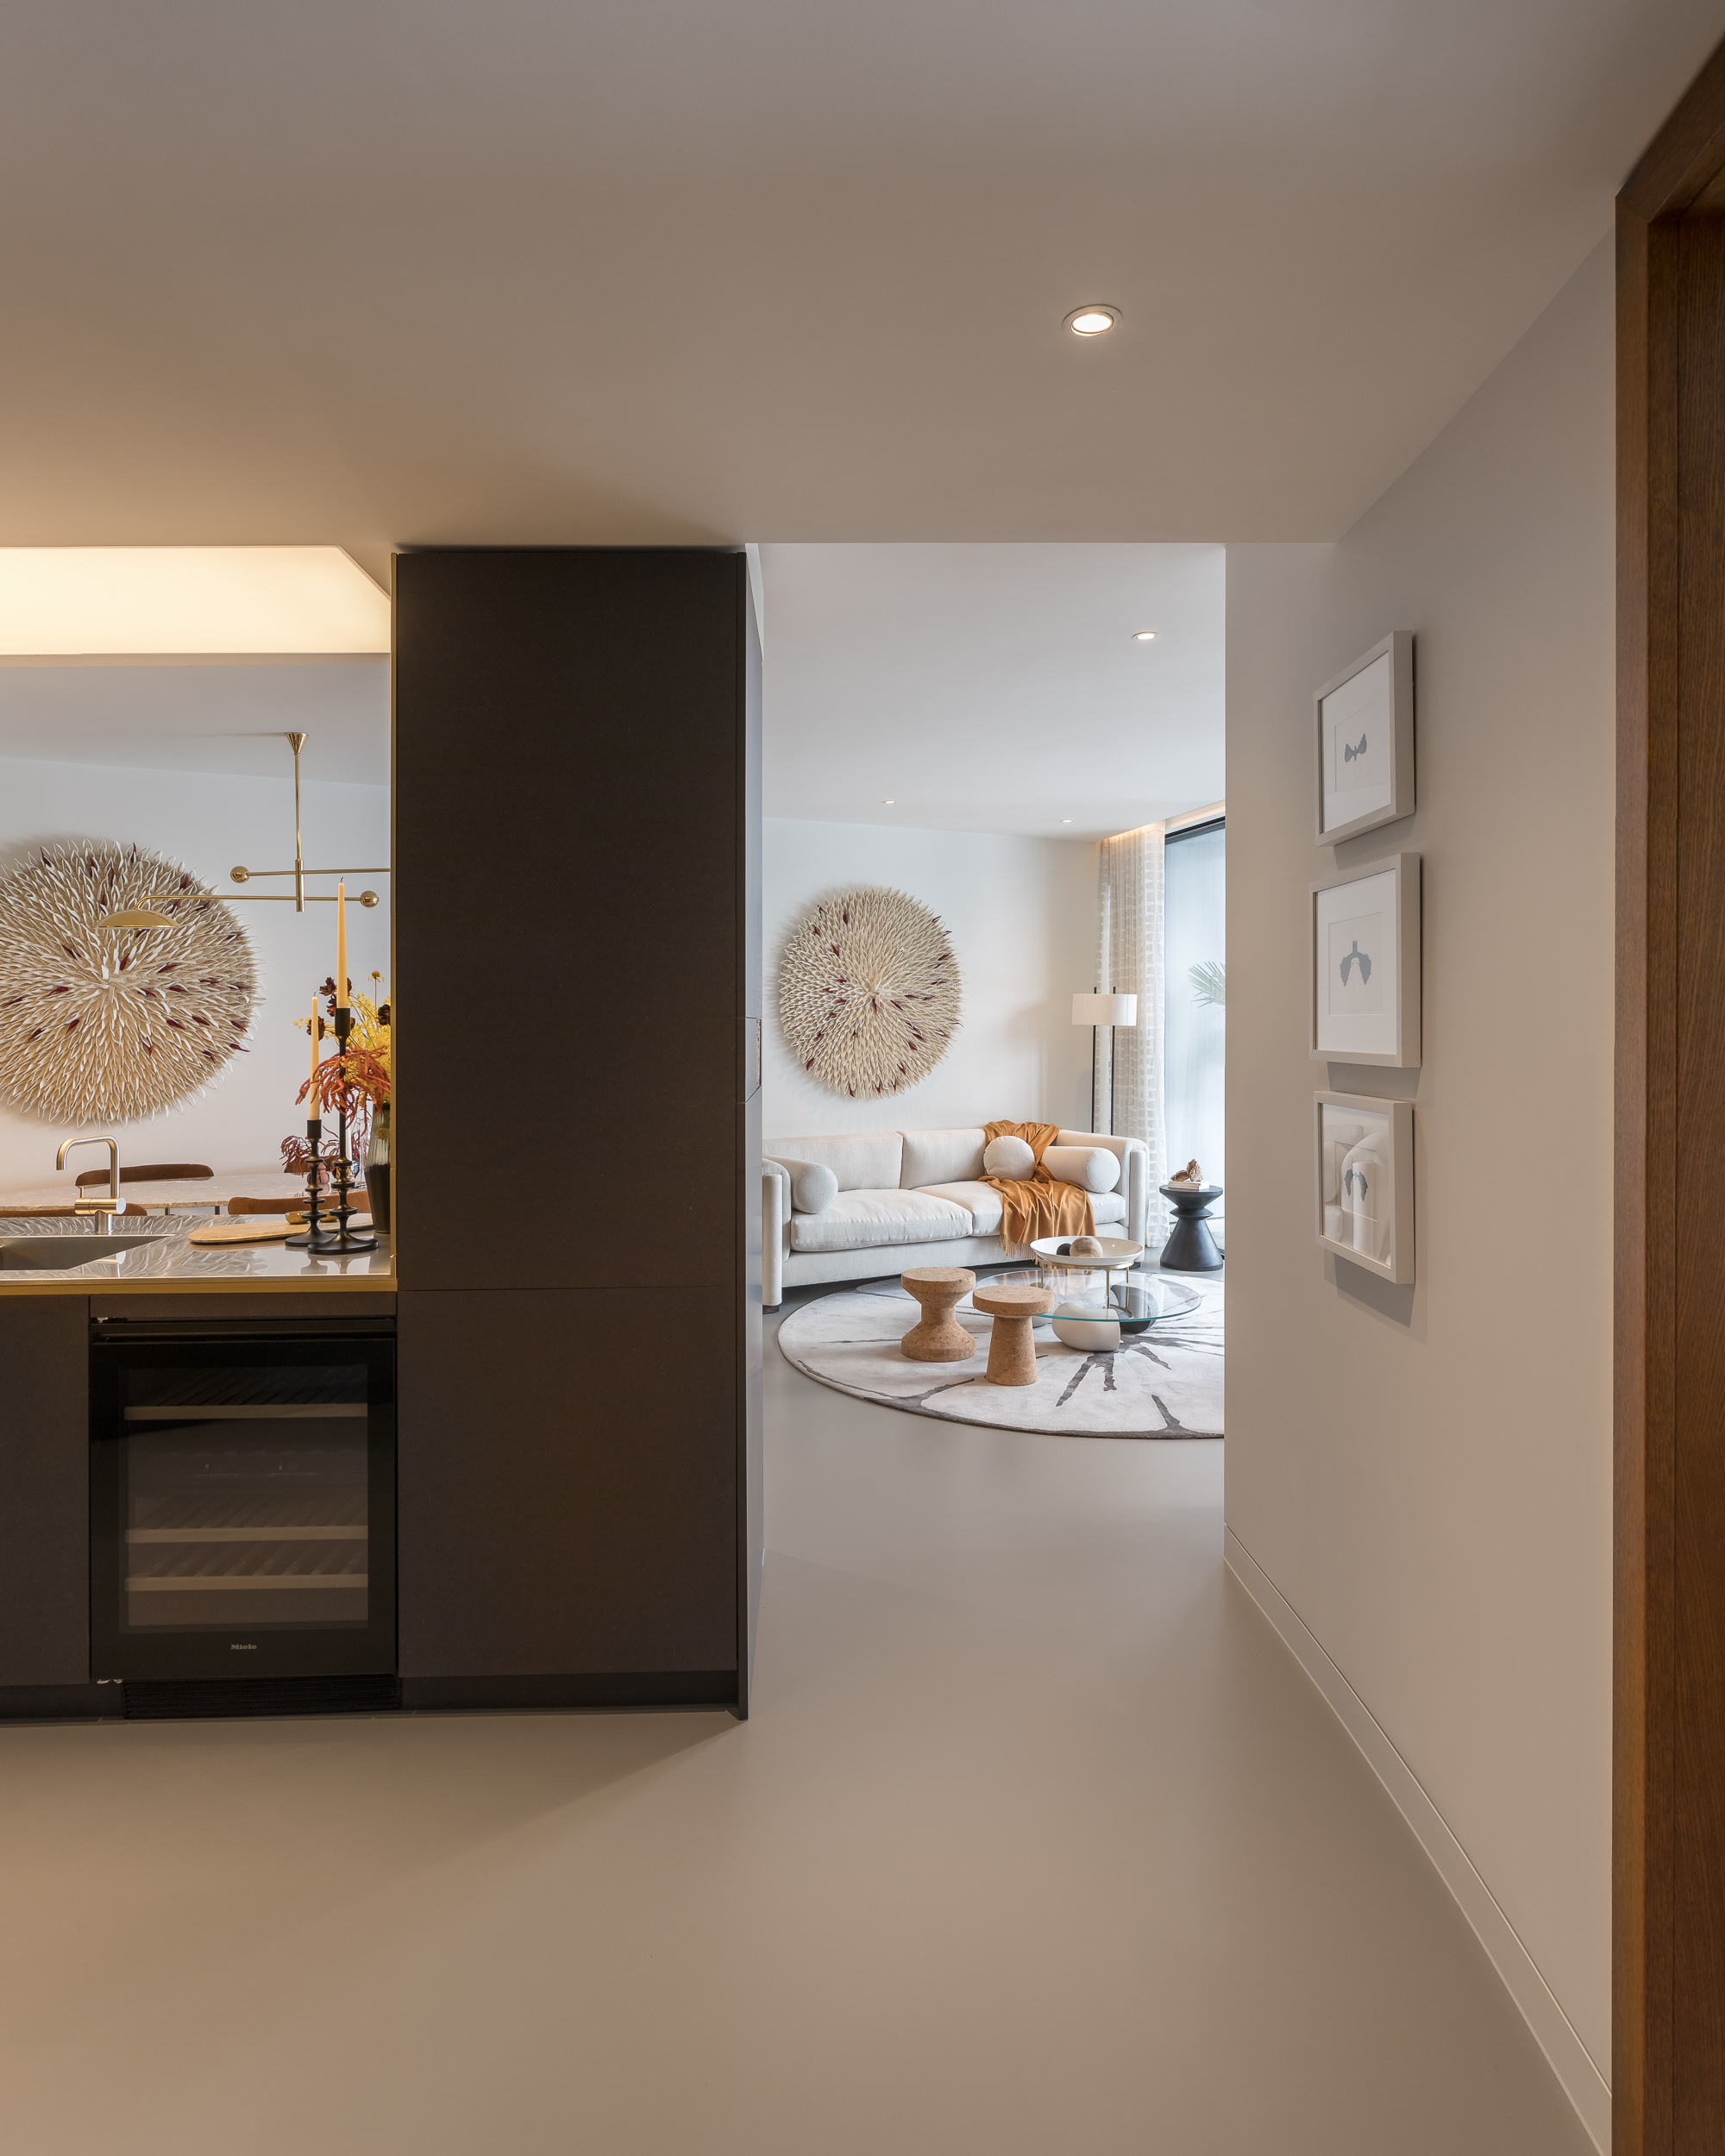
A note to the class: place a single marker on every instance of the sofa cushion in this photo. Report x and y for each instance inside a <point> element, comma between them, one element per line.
<point>940,1157</point>
<point>1121,1146</point>
<point>1109,1207</point>
<point>813,1186</point>
<point>981,1200</point>
<point>863,1160</point>
<point>862,1219</point>
<point>1092,1167</point>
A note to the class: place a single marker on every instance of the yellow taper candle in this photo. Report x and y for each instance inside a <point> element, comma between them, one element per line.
<point>311,1106</point>
<point>342,946</point>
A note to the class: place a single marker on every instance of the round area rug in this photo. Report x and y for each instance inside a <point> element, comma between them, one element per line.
<point>1163,1382</point>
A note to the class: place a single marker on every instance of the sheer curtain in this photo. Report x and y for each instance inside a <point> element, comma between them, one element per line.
<point>1129,960</point>
<point>1194,1024</point>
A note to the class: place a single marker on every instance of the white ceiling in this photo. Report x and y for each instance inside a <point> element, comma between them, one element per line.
<point>994,688</point>
<point>214,716</point>
<point>426,270</point>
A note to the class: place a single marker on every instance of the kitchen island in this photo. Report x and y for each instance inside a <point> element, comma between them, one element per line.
<point>160,1259</point>
<point>198,1447</point>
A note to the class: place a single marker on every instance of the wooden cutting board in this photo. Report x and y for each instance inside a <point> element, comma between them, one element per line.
<point>249,1227</point>
<point>261,1227</point>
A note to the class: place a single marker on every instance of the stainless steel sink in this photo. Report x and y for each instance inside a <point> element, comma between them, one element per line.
<point>63,1253</point>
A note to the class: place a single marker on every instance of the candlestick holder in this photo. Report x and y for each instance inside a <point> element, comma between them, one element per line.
<point>314,1138</point>
<point>322,1237</point>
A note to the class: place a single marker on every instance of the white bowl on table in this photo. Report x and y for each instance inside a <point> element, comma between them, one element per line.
<point>1117,1254</point>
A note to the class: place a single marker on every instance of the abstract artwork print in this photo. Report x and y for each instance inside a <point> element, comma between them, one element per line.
<point>1355,961</point>
<point>1357,720</point>
<point>1356,976</point>
<point>1358,1184</point>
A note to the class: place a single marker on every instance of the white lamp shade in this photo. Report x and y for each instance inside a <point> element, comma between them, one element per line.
<point>1104,1009</point>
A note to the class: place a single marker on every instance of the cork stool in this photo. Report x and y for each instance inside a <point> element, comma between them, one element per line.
<point>1012,1348</point>
<point>938,1338</point>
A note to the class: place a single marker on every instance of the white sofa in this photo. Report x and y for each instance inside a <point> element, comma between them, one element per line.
<point>909,1198</point>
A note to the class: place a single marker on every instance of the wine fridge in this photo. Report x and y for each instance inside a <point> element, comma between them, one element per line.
<point>242,1502</point>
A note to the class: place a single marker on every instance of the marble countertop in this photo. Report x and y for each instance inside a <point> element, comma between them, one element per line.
<point>159,1258</point>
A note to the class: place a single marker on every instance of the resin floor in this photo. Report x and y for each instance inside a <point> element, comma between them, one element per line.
<point>1038,1844</point>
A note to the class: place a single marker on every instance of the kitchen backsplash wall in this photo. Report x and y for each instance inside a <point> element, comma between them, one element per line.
<point>209,822</point>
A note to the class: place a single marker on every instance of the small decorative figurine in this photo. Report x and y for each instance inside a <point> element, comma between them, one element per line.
<point>1191,1176</point>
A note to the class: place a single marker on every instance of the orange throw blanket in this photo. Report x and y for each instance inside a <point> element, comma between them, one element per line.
<point>1039,1206</point>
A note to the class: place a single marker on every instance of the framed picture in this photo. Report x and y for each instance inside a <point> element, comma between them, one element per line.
<point>1364,726</point>
<point>1365,1182</point>
<point>1365,963</point>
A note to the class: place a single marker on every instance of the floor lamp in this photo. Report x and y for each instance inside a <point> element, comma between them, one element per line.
<point>1097,1010</point>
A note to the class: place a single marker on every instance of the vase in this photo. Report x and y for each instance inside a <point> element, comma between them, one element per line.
<point>377,1171</point>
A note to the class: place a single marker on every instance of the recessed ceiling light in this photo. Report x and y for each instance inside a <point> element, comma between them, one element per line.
<point>1066,819</point>
<point>887,803</point>
<point>1143,635</point>
<point>1094,321</point>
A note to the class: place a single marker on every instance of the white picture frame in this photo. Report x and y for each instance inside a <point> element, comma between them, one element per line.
<point>1365,1182</point>
<point>1363,720</point>
<point>1365,958</point>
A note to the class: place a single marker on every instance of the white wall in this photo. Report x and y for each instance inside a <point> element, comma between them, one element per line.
<point>1425,1473</point>
<point>210,822</point>
<point>1022,915</point>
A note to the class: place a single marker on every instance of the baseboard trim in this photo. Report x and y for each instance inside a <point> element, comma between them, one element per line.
<point>1569,2057</point>
<point>608,1692</point>
<point>60,1703</point>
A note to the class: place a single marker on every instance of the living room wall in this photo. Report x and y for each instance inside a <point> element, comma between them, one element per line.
<point>1423,1475</point>
<point>209,821</point>
<point>1021,912</point>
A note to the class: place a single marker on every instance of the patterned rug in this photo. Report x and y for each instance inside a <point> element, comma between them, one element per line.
<point>1163,1382</point>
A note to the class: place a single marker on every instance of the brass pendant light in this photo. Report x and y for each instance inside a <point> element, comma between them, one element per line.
<point>299,899</point>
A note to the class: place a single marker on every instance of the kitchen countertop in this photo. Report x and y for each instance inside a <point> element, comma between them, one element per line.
<point>167,1263</point>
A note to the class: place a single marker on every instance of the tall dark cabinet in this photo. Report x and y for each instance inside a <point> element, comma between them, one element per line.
<point>577,1140</point>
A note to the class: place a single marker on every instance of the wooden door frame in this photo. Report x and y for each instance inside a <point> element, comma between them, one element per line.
<point>1658,2073</point>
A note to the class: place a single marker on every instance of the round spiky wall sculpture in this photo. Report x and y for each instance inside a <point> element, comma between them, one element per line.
<point>869,992</point>
<point>106,1025</point>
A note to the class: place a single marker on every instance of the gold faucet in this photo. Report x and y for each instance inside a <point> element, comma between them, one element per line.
<point>102,1209</point>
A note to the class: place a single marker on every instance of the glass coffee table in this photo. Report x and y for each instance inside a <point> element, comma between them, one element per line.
<point>1135,1303</point>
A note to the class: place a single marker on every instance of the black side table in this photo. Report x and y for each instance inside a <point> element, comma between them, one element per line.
<point>1191,1248</point>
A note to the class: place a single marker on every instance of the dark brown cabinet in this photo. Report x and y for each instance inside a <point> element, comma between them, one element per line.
<point>577,1143</point>
<point>44,1476</point>
<point>567,1510</point>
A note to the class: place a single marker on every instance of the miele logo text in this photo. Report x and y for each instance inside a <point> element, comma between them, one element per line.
<point>242,1647</point>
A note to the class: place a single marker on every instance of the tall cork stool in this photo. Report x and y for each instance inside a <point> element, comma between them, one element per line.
<point>1012,1347</point>
<point>938,1338</point>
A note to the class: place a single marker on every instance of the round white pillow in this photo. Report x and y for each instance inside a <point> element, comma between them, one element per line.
<point>1093,1167</point>
<point>1009,1158</point>
<point>814,1185</point>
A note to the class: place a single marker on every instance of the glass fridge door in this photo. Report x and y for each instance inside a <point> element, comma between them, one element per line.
<point>243,1522</point>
